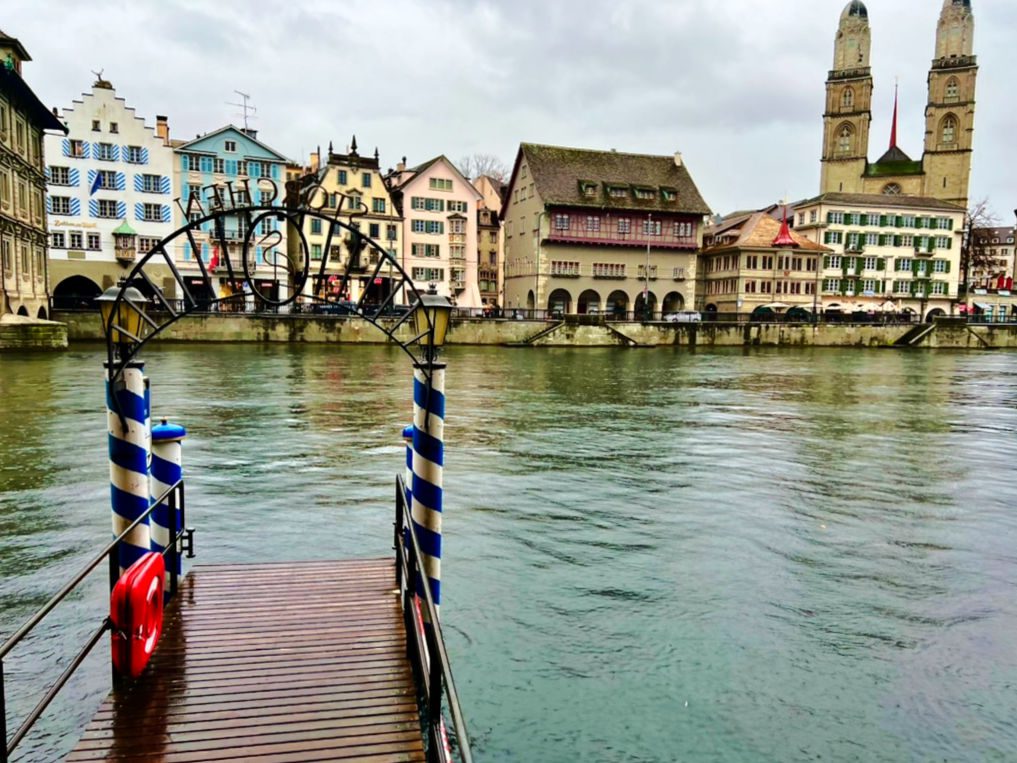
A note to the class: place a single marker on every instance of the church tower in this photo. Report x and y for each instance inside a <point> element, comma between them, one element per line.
<point>950,114</point>
<point>848,113</point>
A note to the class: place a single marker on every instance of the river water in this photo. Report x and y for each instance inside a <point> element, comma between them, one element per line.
<point>760,555</point>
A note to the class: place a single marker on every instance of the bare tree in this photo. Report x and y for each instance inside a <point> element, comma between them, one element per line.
<point>476,165</point>
<point>975,256</point>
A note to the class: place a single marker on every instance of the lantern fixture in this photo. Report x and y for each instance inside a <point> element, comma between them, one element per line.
<point>431,315</point>
<point>129,315</point>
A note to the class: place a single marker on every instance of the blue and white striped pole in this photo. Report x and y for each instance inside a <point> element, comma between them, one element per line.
<point>408,476</point>
<point>167,470</point>
<point>428,467</point>
<point>129,451</point>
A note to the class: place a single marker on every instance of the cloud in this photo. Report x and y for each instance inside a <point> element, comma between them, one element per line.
<point>736,85</point>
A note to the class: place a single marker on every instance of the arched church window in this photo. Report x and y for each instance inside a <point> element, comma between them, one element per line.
<point>847,99</point>
<point>845,139</point>
<point>952,88</point>
<point>949,132</point>
<point>892,189</point>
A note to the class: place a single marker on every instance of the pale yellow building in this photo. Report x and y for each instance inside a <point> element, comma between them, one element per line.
<point>943,172</point>
<point>592,231</point>
<point>897,254</point>
<point>23,234</point>
<point>353,188</point>
<point>749,263</point>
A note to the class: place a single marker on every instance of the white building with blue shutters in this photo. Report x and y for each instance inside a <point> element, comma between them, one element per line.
<point>110,170</point>
<point>224,168</point>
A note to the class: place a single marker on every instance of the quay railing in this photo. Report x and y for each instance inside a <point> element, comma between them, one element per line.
<point>182,542</point>
<point>425,644</point>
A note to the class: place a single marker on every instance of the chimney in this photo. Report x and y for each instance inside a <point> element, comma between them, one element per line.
<point>250,132</point>
<point>315,161</point>
<point>678,159</point>
<point>162,129</point>
<point>401,167</point>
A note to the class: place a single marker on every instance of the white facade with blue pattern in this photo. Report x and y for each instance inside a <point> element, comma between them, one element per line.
<point>111,149</point>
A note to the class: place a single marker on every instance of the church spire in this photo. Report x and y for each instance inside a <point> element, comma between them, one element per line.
<point>893,127</point>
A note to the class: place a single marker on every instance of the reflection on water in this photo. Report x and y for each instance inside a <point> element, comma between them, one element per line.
<point>651,555</point>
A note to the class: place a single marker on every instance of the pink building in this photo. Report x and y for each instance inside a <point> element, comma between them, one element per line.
<point>439,208</point>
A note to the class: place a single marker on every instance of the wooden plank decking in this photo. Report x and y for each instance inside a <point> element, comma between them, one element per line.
<point>271,663</point>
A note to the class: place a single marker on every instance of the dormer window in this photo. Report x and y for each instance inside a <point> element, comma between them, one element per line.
<point>617,191</point>
<point>668,194</point>
<point>645,193</point>
<point>588,188</point>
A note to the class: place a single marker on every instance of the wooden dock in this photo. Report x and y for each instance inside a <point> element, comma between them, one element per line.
<point>271,663</point>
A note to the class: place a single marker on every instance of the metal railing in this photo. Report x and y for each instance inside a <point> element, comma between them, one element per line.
<point>182,542</point>
<point>425,644</point>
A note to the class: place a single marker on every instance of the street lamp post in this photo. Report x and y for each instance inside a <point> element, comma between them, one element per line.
<point>431,317</point>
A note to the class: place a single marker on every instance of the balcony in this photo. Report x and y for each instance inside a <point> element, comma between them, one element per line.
<point>125,256</point>
<point>679,274</point>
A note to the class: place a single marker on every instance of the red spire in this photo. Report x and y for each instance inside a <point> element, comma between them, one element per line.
<point>784,239</point>
<point>893,128</point>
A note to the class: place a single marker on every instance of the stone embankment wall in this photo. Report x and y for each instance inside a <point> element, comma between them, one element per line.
<point>315,329</point>
<point>29,334</point>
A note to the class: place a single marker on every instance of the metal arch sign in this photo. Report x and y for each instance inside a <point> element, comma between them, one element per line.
<point>291,206</point>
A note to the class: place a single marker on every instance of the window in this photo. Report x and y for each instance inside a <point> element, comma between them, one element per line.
<point>908,221</point>
<point>152,213</point>
<point>651,227</point>
<point>241,167</point>
<point>391,232</point>
<point>871,263</point>
<point>353,201</point>
<point>440,184</point>
<point>907,240</point>
<point>264,170</point>
<point>114,127</point>
<point>193,163</point>
<point>943,223</point>
<point>374,230</point>
<point>833,237</point>
<point>608,270</point>
<point>267,226</point>
<point>952,89</point>
<point>831,284</point>
<point>134,155</point>
<point>151,183</point>
<point>59,176</point>
<point>624,225</point>
<point>60,205</point>
<point>813,216</point>
<point>75,239</point>
<point>418,226</point>
<point>457,206</point>
<point>94,241</point>
<point>939,266</point>
<point>868,285</point>
<point>218,165</point>
<point>845,139</point>
<point>938,288</point>
<point>58,241</point>
<point>589,189</point>
<point>644,193</point>
<point>145,244</point>
<point>949,130</point>
<point>378,206</point>
<point>316,252</point>
<point>77,149</point>
<point>342,177</point>
<point>618,191</point>
<point>561,222</point>
<point>315,227</point>
<point>231,147</point>
<point>434,226</point>
<point>426,250</point>
<point>942,242</point>
<point>683,230</point>
<point>107,180</point>
<point>903,264</point>
<point>96,126</point>
<point>457,226</point>
<point>847,99</point>
<point>872,239</point>
<point>107,208</point>
<point>457,252</point>
<point>835,263</point>
<point>668,195</point>
<point>104,152</point>
<point>428,274</point>
<point>835,218</point>
<point>365,180</point>
<point>593,224</point>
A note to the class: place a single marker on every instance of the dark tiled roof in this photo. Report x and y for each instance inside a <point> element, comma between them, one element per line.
<point>12,84</point>
<point>895,154</point>
<point>558,171</point>
<point>881,200</point>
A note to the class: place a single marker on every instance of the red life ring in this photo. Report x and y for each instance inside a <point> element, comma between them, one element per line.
<point>135,610</point>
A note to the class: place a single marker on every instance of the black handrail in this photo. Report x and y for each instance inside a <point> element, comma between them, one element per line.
<point>182,541</point>
<point>430,660</point>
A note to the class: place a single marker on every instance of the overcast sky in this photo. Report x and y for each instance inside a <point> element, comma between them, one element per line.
<point>736,85</point>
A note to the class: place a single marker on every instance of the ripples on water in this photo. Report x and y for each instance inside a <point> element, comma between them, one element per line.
<point>650,555</point>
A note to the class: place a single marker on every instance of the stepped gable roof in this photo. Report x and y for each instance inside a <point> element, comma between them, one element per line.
<point>881,200</point>
<point>558,173</point>
<point>758,231</point>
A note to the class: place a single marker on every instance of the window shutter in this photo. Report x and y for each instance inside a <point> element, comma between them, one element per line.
<point>949,243</point>
<point>826,260</point>
<point>183,162</point>
<point>882,221</point>
<point>139,211</point>
<point>881,263</point>
<point>231,166</point>
<point>947,266</point>
<point>829,215</point>
<point>898,222</point>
